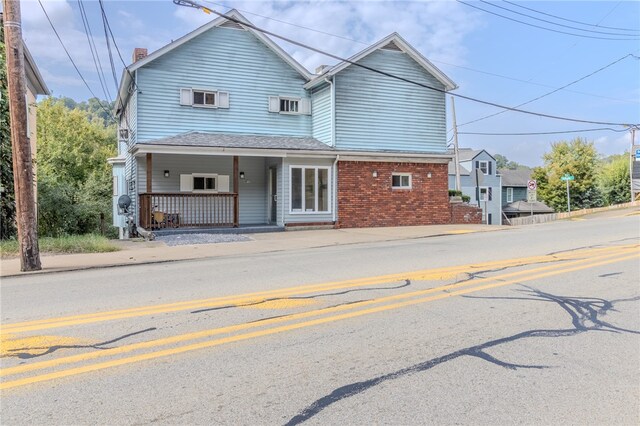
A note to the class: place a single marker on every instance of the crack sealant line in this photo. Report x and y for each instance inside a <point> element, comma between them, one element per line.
<point>447,289</point>
<point>290,327</point>
<point>292,291</point>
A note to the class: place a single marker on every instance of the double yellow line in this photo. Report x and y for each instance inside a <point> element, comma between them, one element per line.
<point>253,298</point>
<point>597,257</point>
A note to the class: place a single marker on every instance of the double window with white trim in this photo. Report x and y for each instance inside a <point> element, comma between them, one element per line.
<point>401,181</point>
<point>310,189</point>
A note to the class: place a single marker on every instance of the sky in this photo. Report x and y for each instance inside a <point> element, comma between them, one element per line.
<point>490,57</point>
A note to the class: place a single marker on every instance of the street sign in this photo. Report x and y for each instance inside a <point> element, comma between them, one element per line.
<point>637,154</point>
<point>532,196</point>
<point>532,185</point>
<point>567,176</point>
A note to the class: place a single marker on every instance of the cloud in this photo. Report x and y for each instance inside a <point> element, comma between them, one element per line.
<point>436,29</point>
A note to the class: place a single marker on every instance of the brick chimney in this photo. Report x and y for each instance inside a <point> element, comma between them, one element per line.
<point>139,53</point>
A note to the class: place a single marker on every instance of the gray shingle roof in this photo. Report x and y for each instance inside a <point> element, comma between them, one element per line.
<point>217,140</point>
<point>452,169</point>
<point>515,177</point>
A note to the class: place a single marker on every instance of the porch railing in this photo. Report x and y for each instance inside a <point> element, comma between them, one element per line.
<point>176,210</point>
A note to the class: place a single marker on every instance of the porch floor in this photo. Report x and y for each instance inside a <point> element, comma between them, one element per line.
<point>242,229</point>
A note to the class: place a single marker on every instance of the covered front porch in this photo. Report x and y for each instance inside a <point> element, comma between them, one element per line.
<point>198,181</point>
<point>206,191</point>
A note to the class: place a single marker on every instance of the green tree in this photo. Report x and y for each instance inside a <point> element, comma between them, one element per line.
<point>74,177</point>
<point>578,158</point>
<point>7,198</point>
<point>503,162</point>
<point>613,179</point>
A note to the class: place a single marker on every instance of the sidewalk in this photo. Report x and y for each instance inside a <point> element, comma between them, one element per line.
<point>139,252</point>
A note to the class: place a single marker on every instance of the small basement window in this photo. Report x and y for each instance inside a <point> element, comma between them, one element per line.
<point>401,181</point>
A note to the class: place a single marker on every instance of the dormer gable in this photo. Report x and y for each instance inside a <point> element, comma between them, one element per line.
<point>392,42</point>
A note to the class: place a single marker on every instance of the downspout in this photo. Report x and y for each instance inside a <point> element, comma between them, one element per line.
<point>335,189</point>
<point>333,109</point>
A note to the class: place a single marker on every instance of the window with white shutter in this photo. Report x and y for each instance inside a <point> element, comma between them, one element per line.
<point>289,105</point>
<point>201,98</point>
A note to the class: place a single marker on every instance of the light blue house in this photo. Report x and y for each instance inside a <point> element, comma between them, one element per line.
<point>223,128</point>
<point>479,179</point>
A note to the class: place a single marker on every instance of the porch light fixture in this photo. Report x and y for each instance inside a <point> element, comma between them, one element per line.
<point>375,173</point>
<point>124,134</point>
<point>429,175</point>
<point>166,173</point>
<point>241,175</point>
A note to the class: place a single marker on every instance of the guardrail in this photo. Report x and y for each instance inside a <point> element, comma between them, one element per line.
<point>543,218</point>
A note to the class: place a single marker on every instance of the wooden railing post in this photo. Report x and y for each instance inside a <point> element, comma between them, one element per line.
<point>236,187</point>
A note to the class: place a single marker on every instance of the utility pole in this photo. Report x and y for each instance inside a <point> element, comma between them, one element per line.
<point>22,165</point>
<point>455,145</point>
<point>631,160</point>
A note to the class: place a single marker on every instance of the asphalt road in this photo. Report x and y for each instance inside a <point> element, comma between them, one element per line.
<point>533,325</point>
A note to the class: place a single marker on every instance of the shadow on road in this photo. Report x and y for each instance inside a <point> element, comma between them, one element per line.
<point>585,316</point>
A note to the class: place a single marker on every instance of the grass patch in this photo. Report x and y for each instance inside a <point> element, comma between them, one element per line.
<point>89,243</point>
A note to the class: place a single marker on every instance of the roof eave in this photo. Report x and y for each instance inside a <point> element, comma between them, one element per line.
<point>33,73</point>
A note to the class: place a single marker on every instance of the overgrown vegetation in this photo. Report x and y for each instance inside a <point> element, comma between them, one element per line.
<point>74,179</point>
<point>7,200</point>
<point>89,243</point>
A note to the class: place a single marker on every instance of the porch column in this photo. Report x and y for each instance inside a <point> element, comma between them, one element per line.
<point>149,174</point>
<point>236,187</point>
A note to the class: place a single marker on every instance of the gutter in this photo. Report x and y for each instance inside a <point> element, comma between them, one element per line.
<point>333,109</point>
<point>335,190</point>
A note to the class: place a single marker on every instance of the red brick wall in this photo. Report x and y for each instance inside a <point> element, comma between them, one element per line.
<point>465,213</point>
<point>366,201</point>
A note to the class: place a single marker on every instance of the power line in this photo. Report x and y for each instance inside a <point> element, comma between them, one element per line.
<point>106,39</point>
<point>432,60</point>
<point>190,3</point>
<point>570,20</point>
<point>554,23</point>
<point>551,92</point>
<point>543,28</point>
<point>106,21</point>
<point>543,133</point>
<point>72,62</point>
<point>94,54</point>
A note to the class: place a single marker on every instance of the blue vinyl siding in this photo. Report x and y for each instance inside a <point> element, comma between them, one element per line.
<point>321,119</point>
<point>493,181</point>
<point>220,59</point>
<point>519,194</point>
<point>375,112</point>
<point>252,190</point>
